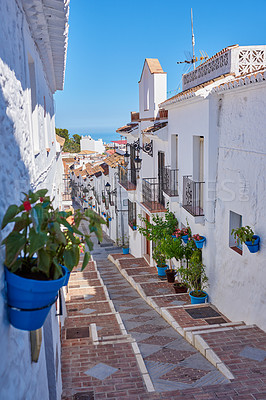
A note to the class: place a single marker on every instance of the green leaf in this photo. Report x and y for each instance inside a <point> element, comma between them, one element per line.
<point>37,241</point>
<point>59,234</point>
<point>41,192</point>
<point>44,262</point>
<point>11,212</point>
<point>65,223</point>
<point>37,217</point>
<point>89,242</point>
<point>57,270</point>
<point>20,222</point>
<point>14,243</point>
<point>16,266</point>
<point>85,260</point>
<point>71,257</point>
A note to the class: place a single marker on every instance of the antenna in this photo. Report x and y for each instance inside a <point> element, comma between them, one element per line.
<point>193,60</point>
<point>193,41</point>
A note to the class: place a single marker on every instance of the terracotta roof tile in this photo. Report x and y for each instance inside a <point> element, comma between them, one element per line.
<point>114,160</point>
<point>127,128</point>
<point>191,92</point>
<point>155,127</point>
<point>154,66</point>
<point>60,140</point>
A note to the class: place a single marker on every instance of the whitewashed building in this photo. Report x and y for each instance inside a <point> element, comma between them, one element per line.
<point>203,156</point>
<point>33,37</point>
<point>147,136</point>
<point>217,125</point>
<point>87,143</point>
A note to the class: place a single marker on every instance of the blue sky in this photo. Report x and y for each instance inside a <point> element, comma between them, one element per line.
<point>109,41</point>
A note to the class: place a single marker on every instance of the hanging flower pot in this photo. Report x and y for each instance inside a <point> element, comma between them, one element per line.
<point>30,300</point>
<point>199,241</point>
<point>253,247</point>
<point>185,238</point>
<point>109,219</point>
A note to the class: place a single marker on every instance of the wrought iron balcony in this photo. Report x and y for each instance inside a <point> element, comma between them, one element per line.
<point>193,196</point>
<point>170,181</point>
<point>152,195</point>
<point>127,178</point>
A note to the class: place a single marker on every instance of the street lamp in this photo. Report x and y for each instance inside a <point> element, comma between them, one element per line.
<point>108,188</point>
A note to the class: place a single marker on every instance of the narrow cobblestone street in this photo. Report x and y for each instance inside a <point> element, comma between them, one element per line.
<point>117,346</point>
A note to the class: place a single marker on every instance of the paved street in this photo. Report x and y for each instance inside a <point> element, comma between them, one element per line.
<point>117,346</point>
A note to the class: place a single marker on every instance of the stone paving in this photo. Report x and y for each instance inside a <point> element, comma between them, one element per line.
<point>116,346</point>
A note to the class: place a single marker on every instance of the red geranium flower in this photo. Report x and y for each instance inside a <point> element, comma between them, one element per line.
<point>27,205</point>
<point>41,199</point>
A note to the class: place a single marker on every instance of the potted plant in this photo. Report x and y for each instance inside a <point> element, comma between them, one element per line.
<point>199,240</point>
<point>246,235</point>
<point>172,249</point>
<point>123,242</point>
<point>39,255</point>
<point>195,278</point>
<point>160,259</point>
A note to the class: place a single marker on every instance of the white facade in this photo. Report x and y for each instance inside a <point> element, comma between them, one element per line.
<point>29,159</point>
<point>87,143</point>
<point>218,129</point>
<point>152,91</point>
<point>215,139</point>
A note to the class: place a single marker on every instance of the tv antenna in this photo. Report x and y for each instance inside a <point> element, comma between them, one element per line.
<point>193,59</point>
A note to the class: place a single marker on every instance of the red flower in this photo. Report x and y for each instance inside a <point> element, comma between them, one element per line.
<point>41,199</point>
<point>27,205</point>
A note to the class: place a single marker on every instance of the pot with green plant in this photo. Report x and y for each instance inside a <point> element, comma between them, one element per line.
<point>172,249</point>
<point>124,243</point>
<point>195,278</point>
<point>39,255</point>
<point>246,235</point>
<point>160,259</point>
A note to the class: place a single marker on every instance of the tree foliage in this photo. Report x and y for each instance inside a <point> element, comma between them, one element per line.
<point>72,145</point>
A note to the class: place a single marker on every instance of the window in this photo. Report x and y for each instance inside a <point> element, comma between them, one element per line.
<point>146,92</point>
<point>132,215</point>
<point>235,222</point>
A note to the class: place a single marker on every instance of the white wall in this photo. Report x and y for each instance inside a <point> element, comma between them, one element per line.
<point>21,168</point>
<point>87,143</point>
<point>238,285</point>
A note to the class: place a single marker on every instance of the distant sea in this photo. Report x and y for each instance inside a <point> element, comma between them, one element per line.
<point>106,137</point>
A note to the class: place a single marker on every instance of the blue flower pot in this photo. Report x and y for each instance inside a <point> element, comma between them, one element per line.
<point>161,270</point>
<point>174,237</point>
<point>125,250</point>
<point>198,300</point>
<point>253,248</point>
<point>185,238</point>
<point>200,243</point>
<point>110,219</point>
<point>29,300</point>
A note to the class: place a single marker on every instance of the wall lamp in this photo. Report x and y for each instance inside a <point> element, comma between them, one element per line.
<point>147,148</point>
<point>108,189</point>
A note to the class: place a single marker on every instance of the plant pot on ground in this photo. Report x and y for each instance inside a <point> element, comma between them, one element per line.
<point>39,256</point>
<point>160,259</point>
<point>180,287</point>
<point>170,275</point>
<point>195,277</point>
